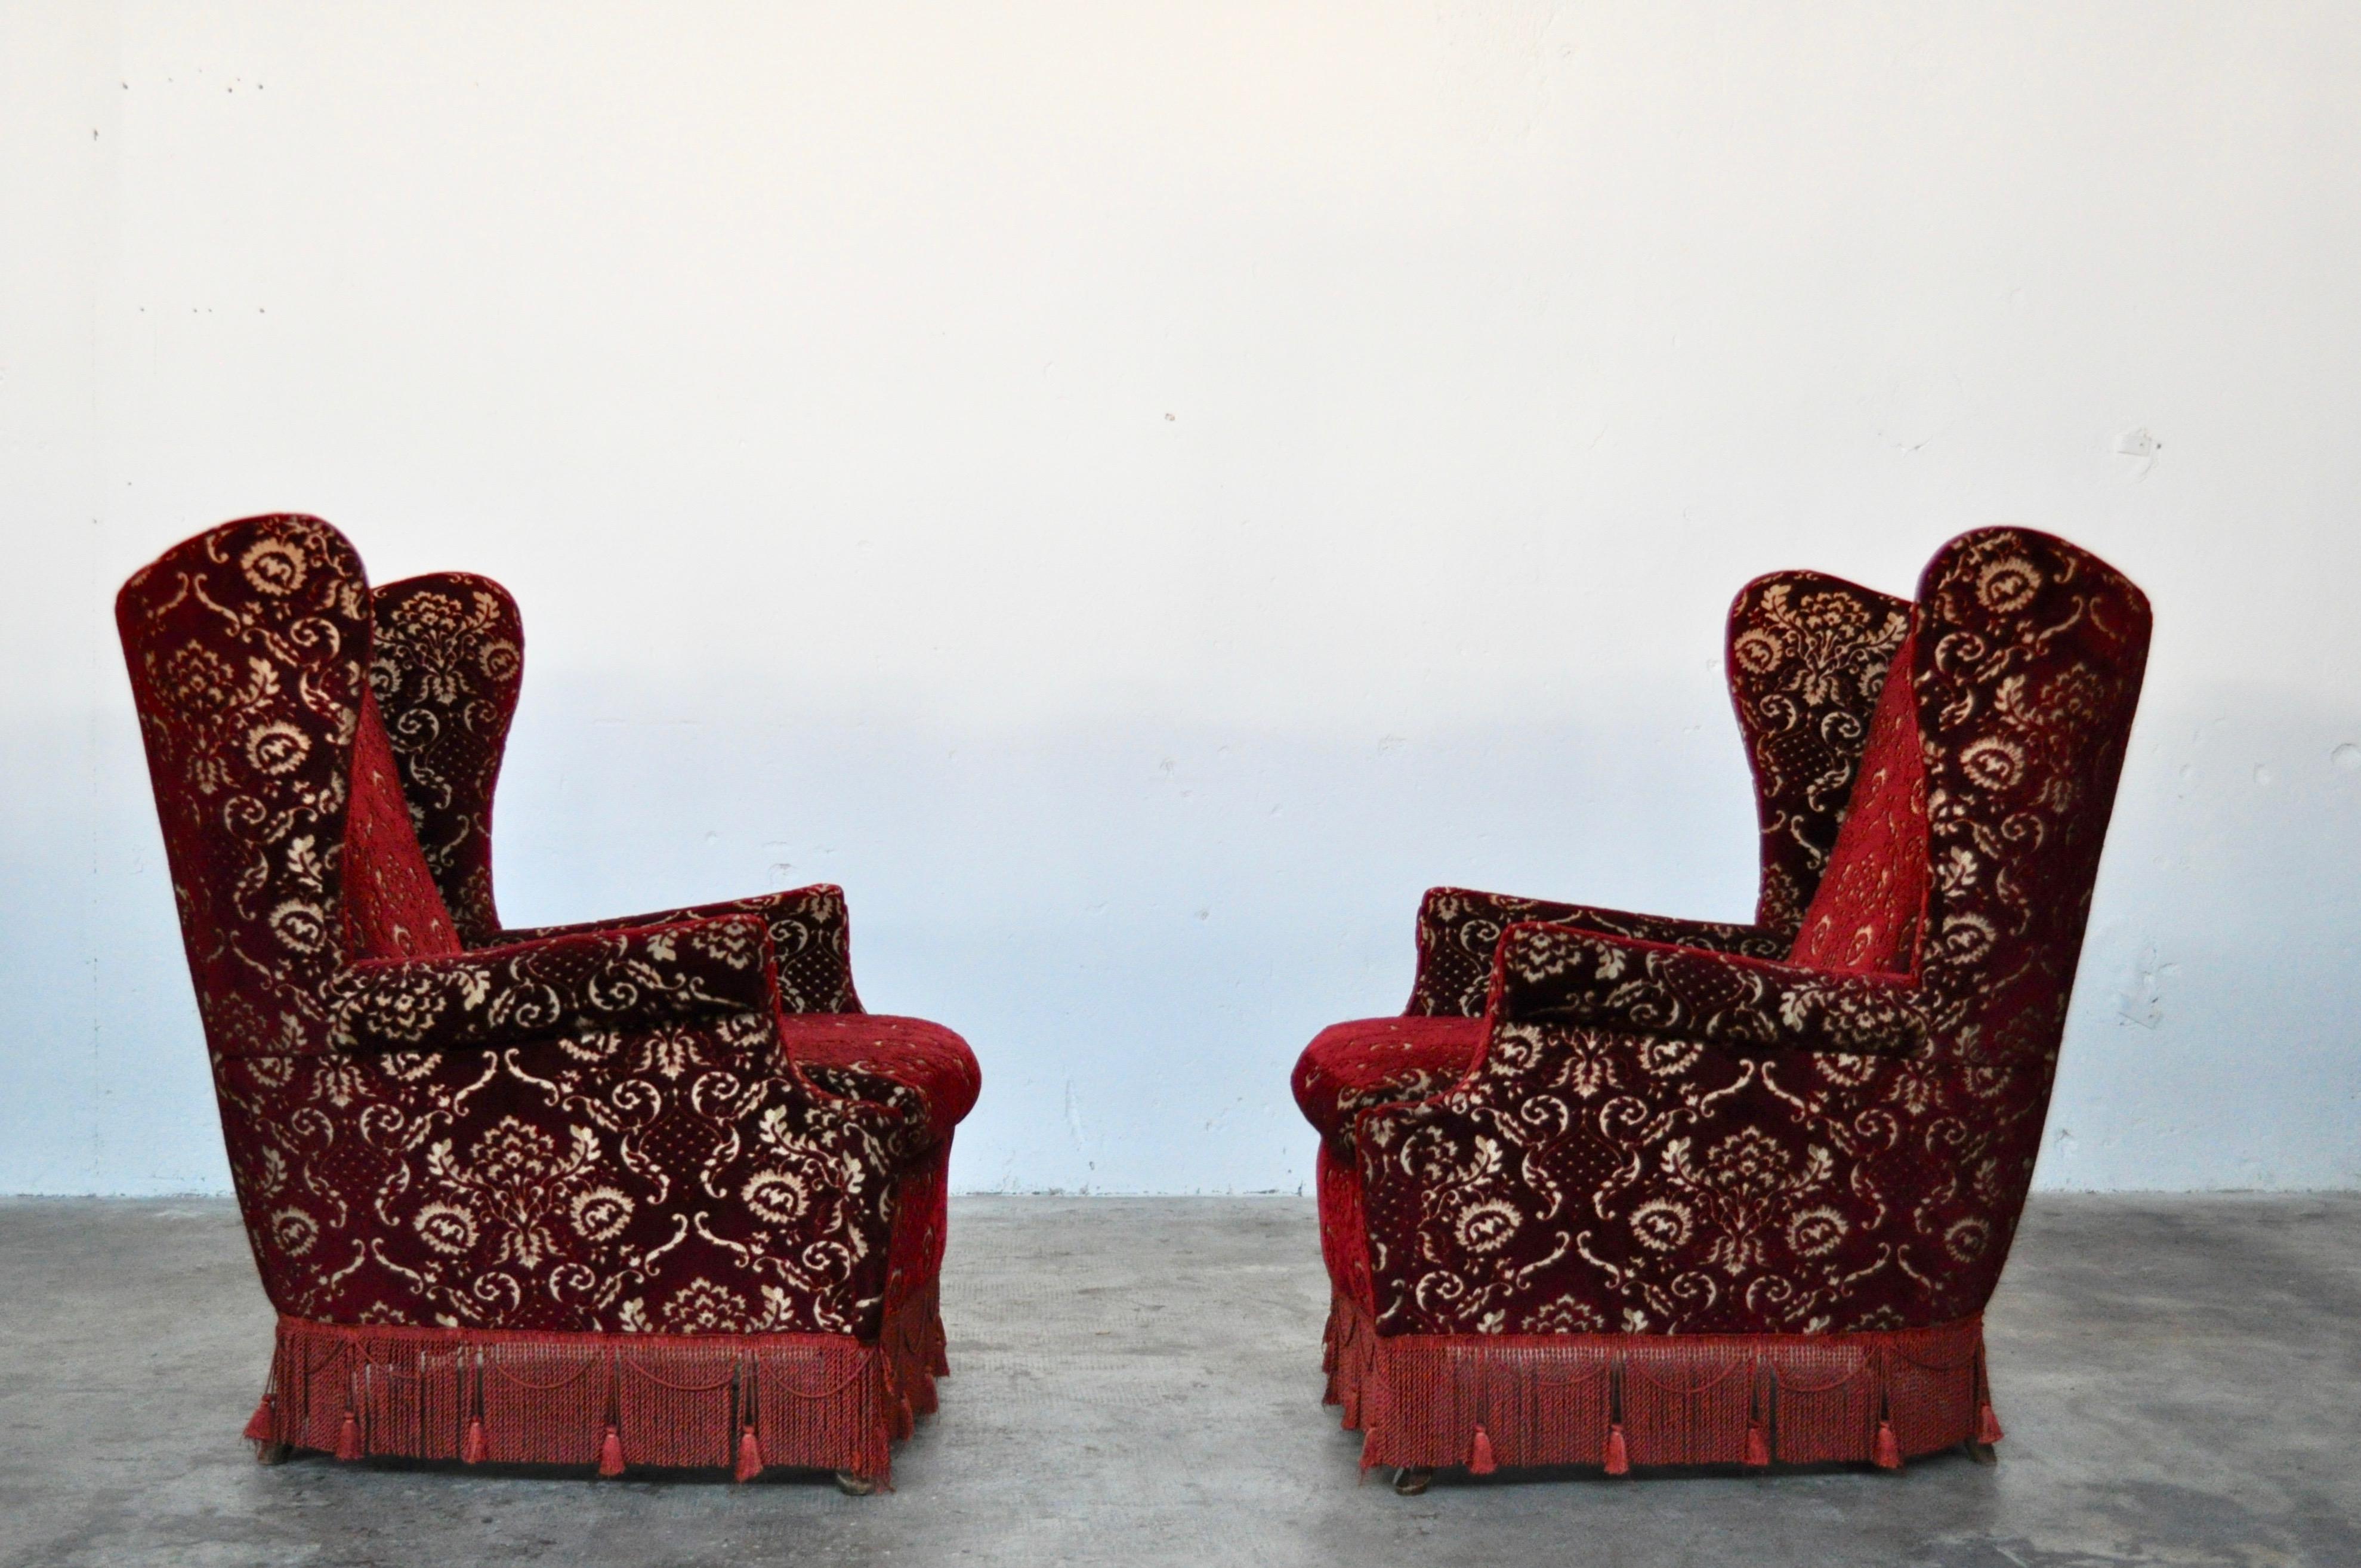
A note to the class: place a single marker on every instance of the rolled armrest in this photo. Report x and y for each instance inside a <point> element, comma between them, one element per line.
<point>631,979</point>
<point>1459,932</point>
<point>809,941</point>
<point>1564,974</point>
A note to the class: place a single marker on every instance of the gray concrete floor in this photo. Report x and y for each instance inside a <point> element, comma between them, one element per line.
<point>1136,1381</point>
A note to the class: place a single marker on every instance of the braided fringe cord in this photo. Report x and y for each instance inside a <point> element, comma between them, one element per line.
<point>1620,1400</point>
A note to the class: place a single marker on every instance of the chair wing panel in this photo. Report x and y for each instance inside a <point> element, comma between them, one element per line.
<point>247,647</point>
<point>1807,655</point>
<point>2027,667</point>
<point>448,664</point>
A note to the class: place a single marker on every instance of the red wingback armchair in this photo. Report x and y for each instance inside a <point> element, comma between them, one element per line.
<point>1619,1190</point>
<point>642,1191</point>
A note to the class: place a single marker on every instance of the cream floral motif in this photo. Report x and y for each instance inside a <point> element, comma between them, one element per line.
<point>779,1196</point>
<point>301,927</point>
<point>705,1308</point>
<point>1488,1225</point>
<point>513,1184</point>
<point>276,564</point>
<point>294,1232</point>
<point>1566,1315</point>
<point>1742,1187</point>
<point>600,1213</point>
<point>1814,1232</point>
<point>1663,1224</point>
<point>1692,1141</point>
<point>449,1228</point>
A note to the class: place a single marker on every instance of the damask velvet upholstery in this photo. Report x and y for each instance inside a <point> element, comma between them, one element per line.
<point>1719,1193</point>
<point>650,1191</point>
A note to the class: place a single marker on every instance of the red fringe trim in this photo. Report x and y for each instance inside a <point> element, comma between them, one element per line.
<point>1622,1400</point>
<point>747,1402</point>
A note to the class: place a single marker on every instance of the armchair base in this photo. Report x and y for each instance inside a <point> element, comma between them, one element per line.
<point>747,1401</point>
<point>1427,1401</point>
<point>750,1402</point>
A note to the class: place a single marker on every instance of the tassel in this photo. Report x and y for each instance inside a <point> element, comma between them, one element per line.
<point>750,1456</point>
<point>348,1437</point>
<point>1757,1445</point>
<point>472,1446</point>
<point>1479,1458</point>
<point>1618,1456</point>
<point>262,1428</point>
<point>1889,1447</point>
<point>1987,1425</point>
<point>611,1454</point>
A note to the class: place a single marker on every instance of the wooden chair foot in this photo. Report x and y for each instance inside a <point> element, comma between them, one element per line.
<point>1412,1479</point>
<point>1981,1452</point>
<point>273,1452</point>
<point>853,1486</point>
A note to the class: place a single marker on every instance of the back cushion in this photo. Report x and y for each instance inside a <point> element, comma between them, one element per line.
<point>1865,916</point>
<point>391,907</point>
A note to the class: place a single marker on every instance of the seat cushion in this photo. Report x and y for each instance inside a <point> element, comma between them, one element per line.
<point>921,1070</point>
<point>1375,1061</point>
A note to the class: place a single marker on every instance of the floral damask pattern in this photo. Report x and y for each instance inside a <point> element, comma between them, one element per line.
<point>593,1128</point>
<point>612,1180</point>
<point>1807,655</point>
<point>1663,1138</point>
<point>1459,933</point>
<point>1565,974</point>
<point>247,647</point>
<point>446,664</point>
<point>808,930</point>
<point>633,978</point>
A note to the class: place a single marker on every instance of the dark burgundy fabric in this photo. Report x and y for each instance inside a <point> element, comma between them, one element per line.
<point>597,1129</point>
<point>1659,1138</point>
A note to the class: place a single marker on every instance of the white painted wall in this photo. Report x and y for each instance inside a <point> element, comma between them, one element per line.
<point>1136,492</point>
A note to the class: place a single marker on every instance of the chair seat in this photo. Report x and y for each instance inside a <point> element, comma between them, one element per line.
<point>921,1070</point>
<point>1375,1061</point>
